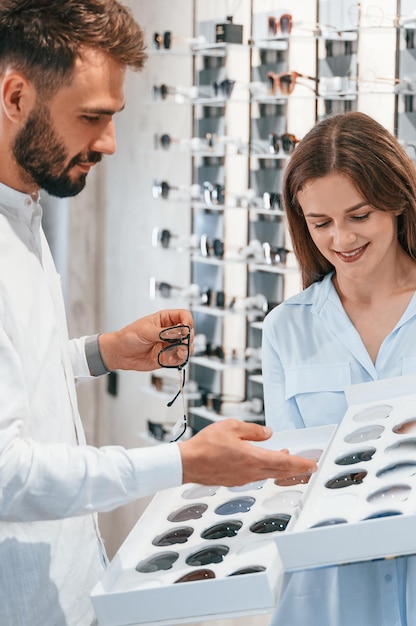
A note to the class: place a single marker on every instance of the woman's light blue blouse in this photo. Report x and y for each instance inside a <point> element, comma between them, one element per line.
<point>311,352</point>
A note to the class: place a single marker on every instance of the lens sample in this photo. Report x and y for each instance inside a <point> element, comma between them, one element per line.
<point>299,479</point>
<point>382,514</point>
<point>330,522</point>
<point>250,569</point>
<point>285,500</point>
<point>207,556</point>
<point>224,529</point>
<point>373,413</point>
<point>200,574</point>
<point>364,434</point>
<point>346,480</point>
<point>405,446</point>
<point>356,457</point>
<point>257,485</point>
<point>194,511</point>
<point>271,524</point>
<point>314,454</point>
<point>177,535</point>
<point>409,426</point>
<point>237,505</point>
<point>397,493</point>
<point>162,561</point>
<point>199,491</point>
<point>404,468</point>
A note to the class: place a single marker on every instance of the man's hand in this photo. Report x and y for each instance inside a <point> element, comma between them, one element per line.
<point>136,346</point>
<point>221,454</point>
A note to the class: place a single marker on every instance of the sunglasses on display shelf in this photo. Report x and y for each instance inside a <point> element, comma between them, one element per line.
<point>167,39</point>
<point>213,193</point>
<point>167,290</point>
<point>227,354</point>
<point>232,406</point>
<point>285,82</point>
<point>272,200</point>
<point>283,23</point>
<point>287,142</point>
<point>163,40</point>
<point>176,355</point>
<point>161,92</point>
<point>208,142</point>
<point>274,255</point>
<point>257,302</point>
<point>211,247</point>
<point>162,189</point>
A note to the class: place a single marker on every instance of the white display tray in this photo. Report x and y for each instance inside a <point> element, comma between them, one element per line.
<point>125,596</point>
<point>376,411</point>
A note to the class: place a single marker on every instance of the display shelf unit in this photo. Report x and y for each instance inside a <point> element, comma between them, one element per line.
<point>244,121</point>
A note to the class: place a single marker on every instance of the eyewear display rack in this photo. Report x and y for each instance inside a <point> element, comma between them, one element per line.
<point>242,105</point>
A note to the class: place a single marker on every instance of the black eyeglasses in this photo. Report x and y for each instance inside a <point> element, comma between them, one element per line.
<point>176,355</point>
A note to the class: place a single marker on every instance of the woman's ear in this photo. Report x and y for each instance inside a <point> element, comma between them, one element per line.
<point>18,96</point>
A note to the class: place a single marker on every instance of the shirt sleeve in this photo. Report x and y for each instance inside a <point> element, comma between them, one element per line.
<point>47,480</point>
<point>281,413</point>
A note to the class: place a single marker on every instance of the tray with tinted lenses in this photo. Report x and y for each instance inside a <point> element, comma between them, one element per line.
<point>206,552</point>
<point>361,504</point>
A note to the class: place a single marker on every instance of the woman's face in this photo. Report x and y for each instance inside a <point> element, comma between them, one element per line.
<point>352,235</point>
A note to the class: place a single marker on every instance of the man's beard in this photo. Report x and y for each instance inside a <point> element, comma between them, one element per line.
<point>42,156</point>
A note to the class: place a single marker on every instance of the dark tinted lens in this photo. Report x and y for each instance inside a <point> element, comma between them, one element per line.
<point>346,480</point>
<point>237,505</point>
<point>156,41</point>
<point>188,512</point>
<point>178,535</point>
<point>162,561</point>
<point>288,143</point>
<point>165,141</point>
<point>200,574</point>
<point>167,39</point>
<point>225,529</point>
<point>164,188</point>
<point>356,457</point>
<point>270,524</point>
<point>165,236</point>
<point>156,430</point>
<point>382,514</point>
<point>251,569</point>
<point>164,289</point>
<point>208,555</point>
<point>218,246</point>
<point>274,144</point>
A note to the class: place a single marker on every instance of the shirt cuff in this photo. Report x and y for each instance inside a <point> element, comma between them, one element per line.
<point>95,361</point>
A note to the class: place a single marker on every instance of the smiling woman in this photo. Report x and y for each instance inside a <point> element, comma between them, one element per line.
<point>349,192</point>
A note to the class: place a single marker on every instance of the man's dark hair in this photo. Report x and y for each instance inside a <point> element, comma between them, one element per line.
<point>43,38</point>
